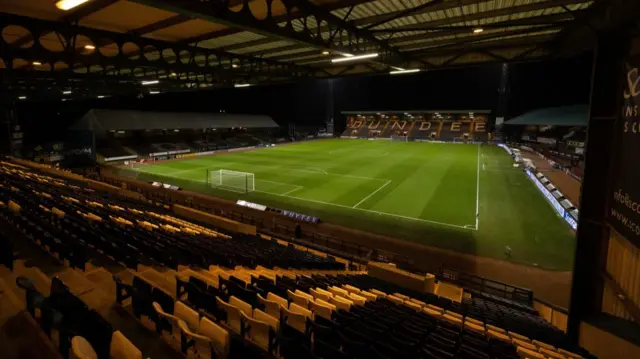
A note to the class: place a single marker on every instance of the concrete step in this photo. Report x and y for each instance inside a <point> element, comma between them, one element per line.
<point>10,304</point>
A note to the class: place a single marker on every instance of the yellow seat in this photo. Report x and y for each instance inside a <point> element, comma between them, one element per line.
<point>395,299</point>
<point>298,299</point>
<point>522,344</point>
<point>544,345</point>
<point>378,293</point>
<point>81,349</point>
<point>271,307</point>
<point>412,305</point>
<point>519,336</point>
<point>569,354</point>
<point>278,299</point>
<point>552,354</point>
<point>122,348</point>
<point>496,329</point>
<point>498,335</point>
<point>233,315</point>
<point>319,295</point>
<point>431,312</point>
<point>435,307</point>
<point>242,305</point>
<point>321,308</point>
<point>525,353</point>
<point>341,303</point>
<point>257,331</point>
<point>211,341</point>
<point>296,320</point>
<point>474,327</point>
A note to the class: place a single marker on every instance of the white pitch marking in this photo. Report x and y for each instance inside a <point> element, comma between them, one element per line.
<point>478,190</point>
<point>293,190</point>
<point>372,193</point>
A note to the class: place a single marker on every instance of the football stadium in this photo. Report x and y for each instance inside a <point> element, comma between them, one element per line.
<point>326,179</point>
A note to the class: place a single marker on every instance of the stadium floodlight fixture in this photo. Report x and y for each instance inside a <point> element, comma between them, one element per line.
<point>235,66</point>
<point>22,98</point>
<point>69,4</point>
<point>68,92</point>
<point>241,85</point>
<point>355,58</point>
<point>399,72</point>
<point>154,92</point>
<point>36,63</point>
<point>325,52</point>
<point>89,47</point>
<point>478,30</point>
<point>100,96</point>
<point>152,82</point>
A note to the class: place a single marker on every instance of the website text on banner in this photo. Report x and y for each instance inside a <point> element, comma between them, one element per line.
<point>624,214</point>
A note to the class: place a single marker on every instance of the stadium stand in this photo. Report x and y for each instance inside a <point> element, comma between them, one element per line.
<point>212,293</point>
<point>423,126</point>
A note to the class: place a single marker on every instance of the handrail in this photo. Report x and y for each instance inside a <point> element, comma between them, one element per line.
<point>486,285</point>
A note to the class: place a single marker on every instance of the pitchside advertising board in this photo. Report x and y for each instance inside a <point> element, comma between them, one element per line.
<point>80,149</point>
<point>624,214</point>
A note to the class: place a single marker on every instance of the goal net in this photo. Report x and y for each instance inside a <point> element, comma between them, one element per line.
<point>243,182</point>
<point>400,138</point>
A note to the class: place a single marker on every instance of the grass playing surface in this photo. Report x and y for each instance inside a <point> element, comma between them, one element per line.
<point>423,192</point>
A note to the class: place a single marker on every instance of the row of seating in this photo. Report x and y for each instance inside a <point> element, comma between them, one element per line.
<point>75,222</point>
<point>66,317</point>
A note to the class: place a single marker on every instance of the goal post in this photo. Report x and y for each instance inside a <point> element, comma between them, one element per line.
<point>399,138</point>
<point>242,182</point>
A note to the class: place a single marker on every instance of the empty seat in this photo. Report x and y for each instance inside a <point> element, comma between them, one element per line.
<point>278,299</point>
<point>298,299</point>
<point>319,295</point>
<point>274,323</point>
<point>338,291</point>
<point>232,313</point>
<point>81,349</point>
<point>322,309</point>
<point>211,339</point>
<point>257,331</point>
<point>295,320</point>
<point>122,348</point>
<point>395,299</point>
<point>341,303</point>
<point>243,306</point>
<point>271,307</point>
<point>356,299</point>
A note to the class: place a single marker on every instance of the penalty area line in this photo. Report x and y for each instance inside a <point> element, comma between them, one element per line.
<point>372,193</point>
<point>357,209</point>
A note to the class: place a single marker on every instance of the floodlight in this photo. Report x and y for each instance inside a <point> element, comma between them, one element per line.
<point>69,4</point>
<point>354,58</point>
<point>145,83</point>
<point>398,72</point>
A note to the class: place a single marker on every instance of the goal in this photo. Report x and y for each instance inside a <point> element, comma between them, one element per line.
<point>400,138</point>
<point>243,182</point>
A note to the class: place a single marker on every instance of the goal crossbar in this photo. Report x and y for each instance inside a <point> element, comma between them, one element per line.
<point>237,181</point>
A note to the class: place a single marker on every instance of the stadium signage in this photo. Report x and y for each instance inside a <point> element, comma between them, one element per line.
<point>624,214</point>
<point>120,158</point>
<point>554,203</point>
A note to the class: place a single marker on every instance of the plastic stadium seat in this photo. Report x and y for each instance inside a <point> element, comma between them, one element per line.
<point>211,338</point>
<point>341,303</point>
<point>473,321</point>
<point>278,299</point>
<point>81,349</point>
<point>522,344</point>
<point>271,307</point>
<point>122,348</point>
<point>496,329</point>
<point>435,307</point>
<point>570,354</point>
<point>298,299</point>
<point>350,288</point>
<point>368,295</point>
<point>544,345</point>
<point>241,305</point>
<point>474,327</point>
<point>395,299</point>
<point>500,336</point>
<point>257,331</point>
<point>274,323</point>
<point>188,315</point>
<point>378,293</point>
<point>338,291</point>
<point>303,294</point>
<point>322,309</point>
<point>401,296</point>
<point>293,307</point>
<point>319,295</point>
<point>529,354</point>
<point>518,336</point>
<point>413,306</point>
<point>356,299</point>
<point>295,320</point>
<point>431,312</point>
<point>233,315</point>
<point>552,354</point>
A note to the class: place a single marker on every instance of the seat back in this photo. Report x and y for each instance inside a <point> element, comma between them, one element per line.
<point>338,291</point>
<point>295,320</point>
<point>220,340</point>
<point>298,299</point>
<point>274,323</point>
<point>341,303</point>
<point>322,309</point>
<point>303,294</point>
<point>122,348</point>
<point>233,315</point>
<point>272,308</point>
<point>81,349</point>
<point>319,295</point>
<point>293,307</point>
<point>368,295</point>
<point>356,299</point>
<point>243,306</point>
<point>278,299</point>
<point>188,315</point>
<point>257,331</point>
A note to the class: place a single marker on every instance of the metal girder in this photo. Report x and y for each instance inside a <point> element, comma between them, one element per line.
<point>158,57</point>
<point>278,19</point>
<point>357,40</point>
<point>405,13</point>
<point>446,30</point>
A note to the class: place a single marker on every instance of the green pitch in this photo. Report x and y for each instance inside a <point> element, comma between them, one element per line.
<point>423,192</point>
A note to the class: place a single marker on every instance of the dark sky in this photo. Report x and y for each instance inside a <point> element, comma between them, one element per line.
<point>532,85</point>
